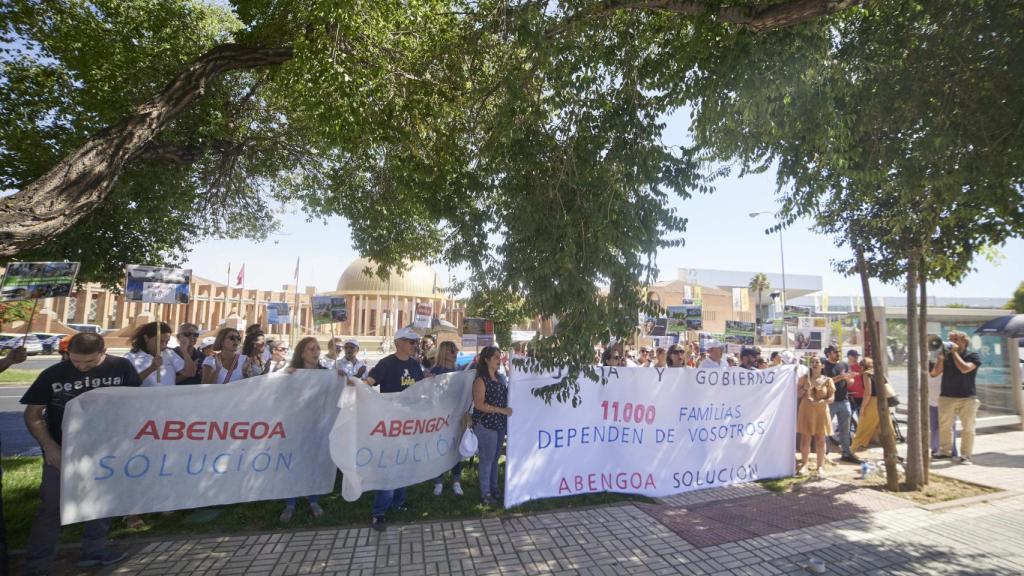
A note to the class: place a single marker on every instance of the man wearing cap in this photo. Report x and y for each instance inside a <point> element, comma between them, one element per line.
<point>351,364</point>
<point>394,373</point>
<point>714,359</point>
<point>188,334</point>
<point>840,374</point>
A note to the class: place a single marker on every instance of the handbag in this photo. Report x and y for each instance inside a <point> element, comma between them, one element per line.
<point>891,399</point>
<point>469,443</point>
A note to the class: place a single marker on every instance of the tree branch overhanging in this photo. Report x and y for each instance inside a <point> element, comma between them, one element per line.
<point>83,178</point>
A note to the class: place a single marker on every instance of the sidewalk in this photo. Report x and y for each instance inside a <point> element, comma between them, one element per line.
<point>738,530</point>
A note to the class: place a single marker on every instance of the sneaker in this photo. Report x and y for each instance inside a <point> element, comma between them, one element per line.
<point>820,473</point>
<point>850,458</point>
<point>966,460</point>
<point>379,523</point>
<point>438,488</point>
<point>315,510</point>
<point>102,558</point>
<point>457,488</point>
<point>287,514</point>
<point>801,469</point>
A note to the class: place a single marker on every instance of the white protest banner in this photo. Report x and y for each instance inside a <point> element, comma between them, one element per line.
<point>424,311</point>
<point>138,450</point>
<point>387,441</point>
<point>655,432</point>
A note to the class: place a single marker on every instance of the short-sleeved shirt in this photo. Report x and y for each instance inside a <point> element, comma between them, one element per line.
<point>856,388</point>
<point>168,372</point>
<point>223,374</point>
<point>495,394</point>
<point>60,383</point>
<point>709,364</point>
<point>833,371</point>
<point>956,384</point>
<point>197,359</point>
<point>394,375</point>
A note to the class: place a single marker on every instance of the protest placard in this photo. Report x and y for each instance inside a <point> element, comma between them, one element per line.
<point>278,313</point>
<point>330,309</point>
<point>37,280</point>
<point>157,284</point>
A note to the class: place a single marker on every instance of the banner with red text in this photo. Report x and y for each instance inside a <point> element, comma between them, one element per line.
<point>387,441</point>
<point>139,450</point>
<point>650,431</point>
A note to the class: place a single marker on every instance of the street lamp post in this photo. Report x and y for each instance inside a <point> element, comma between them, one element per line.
<point>782,257</point>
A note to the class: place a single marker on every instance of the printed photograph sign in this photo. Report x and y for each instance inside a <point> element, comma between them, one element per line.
<point>35,280</point>
<point>278,313</point>
<point>741,333</point>
<point>158,285</point>
<point>330,309</point>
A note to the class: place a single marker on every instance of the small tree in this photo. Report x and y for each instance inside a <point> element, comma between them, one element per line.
<point>1017,302</point>
<point>759,283</point>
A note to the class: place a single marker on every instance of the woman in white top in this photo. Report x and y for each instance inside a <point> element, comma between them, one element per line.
<point>278,357</point>
<point>163,369</point>
<point>332,355</point>
<point>227,363</point>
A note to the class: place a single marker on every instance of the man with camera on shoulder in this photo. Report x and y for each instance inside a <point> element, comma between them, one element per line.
<point>958,396</point>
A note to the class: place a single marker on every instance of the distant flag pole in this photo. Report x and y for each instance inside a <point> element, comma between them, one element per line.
<point>295,320</point>
<point>227,288</point>
<point>240,281</point>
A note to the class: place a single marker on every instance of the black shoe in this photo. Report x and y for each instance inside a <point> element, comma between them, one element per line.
<point>379,524</point>
<point>102,558</point>
<point>486,500</point>
<point>850,458</point>
<point>941,456</point>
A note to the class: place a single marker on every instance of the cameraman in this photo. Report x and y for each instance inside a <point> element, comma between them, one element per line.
<point>958,395</point>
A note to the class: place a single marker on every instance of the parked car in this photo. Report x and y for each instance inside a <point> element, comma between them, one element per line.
<point>94,328</point>
<point>10,341</point>
<point>50,341</point>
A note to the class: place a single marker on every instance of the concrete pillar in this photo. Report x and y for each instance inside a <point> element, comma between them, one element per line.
<point>82,302</point>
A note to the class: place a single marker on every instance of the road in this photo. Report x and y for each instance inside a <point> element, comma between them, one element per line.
<point>16,439</point>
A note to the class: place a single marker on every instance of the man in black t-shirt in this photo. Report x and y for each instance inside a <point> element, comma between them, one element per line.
<point>958,396</point>
<point>88,368</point>
<point>840,374</point>
<point>394,373</point>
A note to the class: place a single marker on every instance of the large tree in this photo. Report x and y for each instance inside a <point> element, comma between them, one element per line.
<point>522,139</point>
<point>899,130</point>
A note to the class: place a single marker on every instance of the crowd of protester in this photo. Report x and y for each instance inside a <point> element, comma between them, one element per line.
<point>828,389</point>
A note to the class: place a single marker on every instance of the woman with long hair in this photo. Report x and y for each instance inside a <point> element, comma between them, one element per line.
<point>813,419</point>
<point>227,364</point>
<point>676,356</point>
<point>660,357</point>
<point>305,357</point>
<point>444,362</point>
<point>252,348</point>
<point>490,420</point>
<point>156,364</point>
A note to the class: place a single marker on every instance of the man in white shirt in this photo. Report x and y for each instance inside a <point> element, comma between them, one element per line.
<point>714,360</point>
<point>352,365</point>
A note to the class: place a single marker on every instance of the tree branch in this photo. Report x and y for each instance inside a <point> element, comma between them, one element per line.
<point>83,178</point>
<point>755,18</point>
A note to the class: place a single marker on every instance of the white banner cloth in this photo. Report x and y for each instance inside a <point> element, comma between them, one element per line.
<point>651,431</point>
<point>138,450</point>
<point>387,441</point>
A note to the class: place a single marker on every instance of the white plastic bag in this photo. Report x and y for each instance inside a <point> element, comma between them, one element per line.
<point>469,443</point>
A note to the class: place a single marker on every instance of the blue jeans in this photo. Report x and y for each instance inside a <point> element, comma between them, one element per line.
<point>841,409</point>
<point>384,500</point>
<point>489,446</point>
<point>312,500</point>
<point>456,474</point>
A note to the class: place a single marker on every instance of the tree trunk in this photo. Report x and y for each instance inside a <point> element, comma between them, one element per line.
<point>887,434</point>
<point>913,462</point>
<point>83,178</point>
<point>922,324</point>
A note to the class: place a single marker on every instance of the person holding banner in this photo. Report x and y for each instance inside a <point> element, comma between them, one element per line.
<point>714,360</point>
<point>226,364</point>
<point>394,373</point>
<point>490,421</point>
<point>89,367</point>
<point>188,334</point>
<point>443,363</point>
<point>813,419</point>
<point>156,364</point>
<point>330,358</point>
<point>305,357</point>
<point>351,364</point>
<point>253,349</point>
<point>278,360</point>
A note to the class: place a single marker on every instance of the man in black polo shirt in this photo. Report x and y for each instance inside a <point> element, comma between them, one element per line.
<point>88,368</point>
<point>958,395</point>
<point>839,372</point>
<point>394,373</point>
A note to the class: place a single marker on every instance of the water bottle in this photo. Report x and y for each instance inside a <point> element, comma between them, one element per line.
<point>864,467</point>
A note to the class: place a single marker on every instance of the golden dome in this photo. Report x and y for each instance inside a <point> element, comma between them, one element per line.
<point>419,280</point>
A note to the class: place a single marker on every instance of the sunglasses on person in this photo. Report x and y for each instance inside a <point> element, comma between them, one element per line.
<point>189,334</point>
<point>234,338</point>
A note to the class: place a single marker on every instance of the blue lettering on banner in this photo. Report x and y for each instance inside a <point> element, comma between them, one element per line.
<point>141,465</point>
<point>425,451</point>
<point>567,437</point>
<point>712,476</point>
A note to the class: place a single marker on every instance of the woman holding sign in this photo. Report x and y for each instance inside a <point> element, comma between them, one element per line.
<point>490,420</point>
<point>156,364</point>
<point>813,419</point>
<point>226,364</point>
<point>305,357</point>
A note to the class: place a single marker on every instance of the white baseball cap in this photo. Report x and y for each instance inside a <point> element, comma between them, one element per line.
<point>353,342</point>
<point>207,342</point>
<point>714,344</point>
<point>406,334</point>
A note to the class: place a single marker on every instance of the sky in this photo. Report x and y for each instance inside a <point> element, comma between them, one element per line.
<point>720,235</point>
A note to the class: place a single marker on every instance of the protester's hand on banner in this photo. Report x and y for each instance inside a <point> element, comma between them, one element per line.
<point>52,456</point>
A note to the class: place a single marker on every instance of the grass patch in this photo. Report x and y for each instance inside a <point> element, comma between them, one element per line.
<point>18,377</point>
<point>21,500</point>
<point>783,485</point>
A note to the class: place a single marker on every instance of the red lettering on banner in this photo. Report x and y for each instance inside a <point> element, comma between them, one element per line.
<point>196,430</point>
<point>622,481</point>
<point>174,430</point>
<point>240,431</point>
<point>380,429</point>
<point>563,486</point>
<point>277,430</point>
<point>148,429</point>
<point>409,427</point>
<point>218,430</point>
